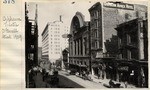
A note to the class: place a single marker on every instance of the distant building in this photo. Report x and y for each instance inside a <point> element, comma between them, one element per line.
<point>79,49</point>
<point>65,59</point>
<point>104,19</point>
<point>52,41</point>
<point>39,54</point>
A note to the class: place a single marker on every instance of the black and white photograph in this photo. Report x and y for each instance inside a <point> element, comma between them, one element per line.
<point>86,44</point>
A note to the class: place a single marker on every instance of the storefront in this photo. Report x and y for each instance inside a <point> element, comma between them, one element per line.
<point>123,72</point>
<point>143,82</point>
<point>133,72</point>
<point>105,68</point>
<point>110,70</point>
<point>95,68</point>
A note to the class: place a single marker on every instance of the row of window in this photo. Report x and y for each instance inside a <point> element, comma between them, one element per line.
<point>55,28</point>
<point>45,44</point>
<point>55,39</point>
<point>45,34</point>
<point>44,52</point>
<point>55,35</point>
<point>55,52</point>
<point>57,49</point>
<point>55,43</point>
<point>45,48</point>
<point>56,32</point>
<point>44,37</point>
<point>54,25</point>
<point>43,40</point>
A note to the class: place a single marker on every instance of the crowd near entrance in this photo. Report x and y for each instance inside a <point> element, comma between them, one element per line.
<point>125,71</point>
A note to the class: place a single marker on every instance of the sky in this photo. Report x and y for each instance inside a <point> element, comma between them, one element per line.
<point>49,11</point>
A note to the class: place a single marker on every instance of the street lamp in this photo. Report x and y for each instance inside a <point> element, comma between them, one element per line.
<point>80,69</point>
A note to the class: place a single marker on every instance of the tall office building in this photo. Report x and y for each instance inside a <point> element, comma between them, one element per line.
<point>53,41</point>
<point>105,17</point>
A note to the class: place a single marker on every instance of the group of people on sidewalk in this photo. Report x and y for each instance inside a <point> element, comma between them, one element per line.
<point>38,76</point>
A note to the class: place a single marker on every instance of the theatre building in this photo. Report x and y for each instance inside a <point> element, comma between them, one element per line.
<point>133,62</point>
<point>79,57</point>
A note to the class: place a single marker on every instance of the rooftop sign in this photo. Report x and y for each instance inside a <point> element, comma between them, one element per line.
<point>119,5</point>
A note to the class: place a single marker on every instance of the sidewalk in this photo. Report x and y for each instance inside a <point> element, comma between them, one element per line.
<point>39,83</point>
<point>106,82</point>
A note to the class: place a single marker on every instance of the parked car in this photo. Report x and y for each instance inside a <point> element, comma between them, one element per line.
<point>72,71</point>
<point>55,73</point>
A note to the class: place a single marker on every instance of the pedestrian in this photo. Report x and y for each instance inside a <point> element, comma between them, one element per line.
<point>125,84</point>
<point>35,70</point>
<point>103,75</point>
<point>83,75</point>
<point>31,75</point>
<point>98,75</point>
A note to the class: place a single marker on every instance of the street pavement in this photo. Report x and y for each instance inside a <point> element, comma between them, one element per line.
<point>63,82</point>
<point>80,81</point>
<point>72,81</point>
<point>66,81</point>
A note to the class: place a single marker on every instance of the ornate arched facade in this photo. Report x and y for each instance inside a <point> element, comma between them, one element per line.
<point>79,43</point>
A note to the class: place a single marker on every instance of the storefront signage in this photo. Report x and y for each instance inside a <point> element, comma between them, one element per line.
<point>123,68</point>
<point>119,5</point>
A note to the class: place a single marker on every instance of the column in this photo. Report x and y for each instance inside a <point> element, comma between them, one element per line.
<point>73,46</point>
<point>79,47</point>
<point>83,48</point>
<point>76,47</point>
<point>74,51</point>
<point>139,53</point>
<point>92,71</point>
<point>70,48</point>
